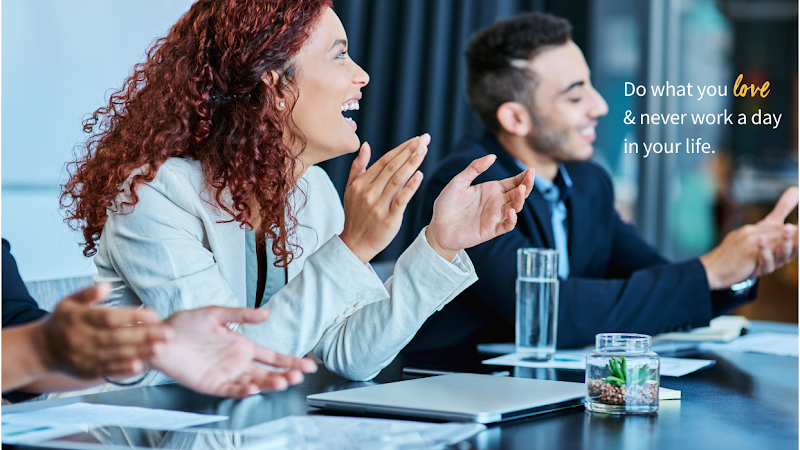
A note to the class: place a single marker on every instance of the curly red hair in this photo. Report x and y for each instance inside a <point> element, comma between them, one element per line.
<point>201,94</point>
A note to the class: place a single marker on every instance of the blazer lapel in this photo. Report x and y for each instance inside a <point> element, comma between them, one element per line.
<point>579,218</point>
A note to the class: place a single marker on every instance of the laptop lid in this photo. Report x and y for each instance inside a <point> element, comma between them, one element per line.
<point>461,397</point>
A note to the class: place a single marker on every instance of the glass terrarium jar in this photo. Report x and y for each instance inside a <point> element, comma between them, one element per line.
<point>622,375</point>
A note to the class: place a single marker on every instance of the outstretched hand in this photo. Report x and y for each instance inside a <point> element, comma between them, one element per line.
<point>205,355</point>
<point>465,215</point>
<point>88,342</point>
<point>754,250</point>
<point>772,257</point>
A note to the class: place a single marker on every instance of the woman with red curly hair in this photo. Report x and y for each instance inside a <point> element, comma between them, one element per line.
<point>198,187</point>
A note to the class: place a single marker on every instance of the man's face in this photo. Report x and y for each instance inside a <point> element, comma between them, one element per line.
<point>565,105</point>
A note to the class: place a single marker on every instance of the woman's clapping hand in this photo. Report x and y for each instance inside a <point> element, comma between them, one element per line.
<point>465,216</point>
<point>376,197</point>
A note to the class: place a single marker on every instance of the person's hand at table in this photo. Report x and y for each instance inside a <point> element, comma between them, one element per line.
<point>206,356</point>
<point>465,215</point>
<point>376,197</point>
<point>80,341</point>
<point>90,342</point>
<point>754,250</point>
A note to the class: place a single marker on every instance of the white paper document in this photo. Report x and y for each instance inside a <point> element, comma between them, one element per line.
<point>670,367</point>
<point>769,343</point>
<point>354,433</point>
<point>83,415</point>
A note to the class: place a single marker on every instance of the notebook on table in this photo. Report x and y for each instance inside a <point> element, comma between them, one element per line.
<point>461,397</point>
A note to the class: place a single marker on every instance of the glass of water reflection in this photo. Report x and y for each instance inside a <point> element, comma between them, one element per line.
<point>537,303</point>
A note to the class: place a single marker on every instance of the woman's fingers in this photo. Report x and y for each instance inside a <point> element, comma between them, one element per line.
<point>395,179</point>
<point>516,197</point>
<point>397,172</point>
<point>525,177</point>
<point>401,199</point>
<point>377,169</point>
<point>359,165</point>
<point>508,224</point>
<point>475,168</point>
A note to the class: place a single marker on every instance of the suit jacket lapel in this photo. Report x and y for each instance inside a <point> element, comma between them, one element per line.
<point>579,217</point>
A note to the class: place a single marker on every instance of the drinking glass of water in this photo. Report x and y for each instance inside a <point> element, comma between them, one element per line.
<point>537,303</point>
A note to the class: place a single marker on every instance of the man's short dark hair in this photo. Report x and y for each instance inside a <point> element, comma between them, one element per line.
<point>496,58</point>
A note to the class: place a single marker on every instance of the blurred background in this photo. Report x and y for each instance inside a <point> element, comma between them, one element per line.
<point>60,61</point>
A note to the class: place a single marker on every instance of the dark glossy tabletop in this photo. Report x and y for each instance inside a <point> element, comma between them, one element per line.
<point>744,401</point>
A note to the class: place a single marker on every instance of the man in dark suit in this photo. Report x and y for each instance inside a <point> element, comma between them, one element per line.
<point>529,84</point>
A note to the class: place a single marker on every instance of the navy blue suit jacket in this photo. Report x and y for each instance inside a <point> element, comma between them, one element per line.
<point>18,305</point>
<point>617,282</point>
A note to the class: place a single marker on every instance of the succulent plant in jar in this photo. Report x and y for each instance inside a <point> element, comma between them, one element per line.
<point>622,375</point>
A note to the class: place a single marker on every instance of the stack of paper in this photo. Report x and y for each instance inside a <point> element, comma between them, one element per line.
<point>721,329</point>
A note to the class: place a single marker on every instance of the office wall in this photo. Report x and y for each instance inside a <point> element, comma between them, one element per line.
<point>60,61</point>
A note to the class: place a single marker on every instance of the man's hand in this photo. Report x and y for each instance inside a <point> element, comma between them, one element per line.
<point>772,258</point>
<point>376,198</point>
<point>465,216</point>
<point>754,250</point>
<point>90,342</point>
<point>205,355</point>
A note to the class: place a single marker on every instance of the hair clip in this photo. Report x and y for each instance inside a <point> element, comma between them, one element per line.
<point>229,97</point>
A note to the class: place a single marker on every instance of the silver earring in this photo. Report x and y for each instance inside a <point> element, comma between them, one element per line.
<point>282,104</point>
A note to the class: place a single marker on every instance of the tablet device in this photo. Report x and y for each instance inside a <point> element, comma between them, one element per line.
<point>462,397</point>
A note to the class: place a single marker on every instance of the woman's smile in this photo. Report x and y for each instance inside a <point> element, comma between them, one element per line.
<point>351,105</point>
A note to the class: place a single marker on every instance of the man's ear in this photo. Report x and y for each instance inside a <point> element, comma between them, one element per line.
<point>514,118</point>
<point>272,80</point>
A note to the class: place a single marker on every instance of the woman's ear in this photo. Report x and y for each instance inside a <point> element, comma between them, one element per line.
<point>272,80</point>
<point>514,118</point>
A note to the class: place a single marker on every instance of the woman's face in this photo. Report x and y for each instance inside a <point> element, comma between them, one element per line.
<point>329,85</point>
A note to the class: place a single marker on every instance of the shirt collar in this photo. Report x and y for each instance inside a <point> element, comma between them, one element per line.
<point>562,182</point>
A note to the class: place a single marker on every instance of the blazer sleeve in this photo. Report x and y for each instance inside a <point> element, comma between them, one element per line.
<point>357,325</point>
<point>423,283</point>
<point>161,252</point>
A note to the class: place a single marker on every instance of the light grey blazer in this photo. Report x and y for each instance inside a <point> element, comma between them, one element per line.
<point>175,250</point>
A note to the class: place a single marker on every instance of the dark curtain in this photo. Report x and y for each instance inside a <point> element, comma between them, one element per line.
<point>413,52</point>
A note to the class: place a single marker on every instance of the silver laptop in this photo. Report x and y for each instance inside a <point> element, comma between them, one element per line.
<point>463,397</point>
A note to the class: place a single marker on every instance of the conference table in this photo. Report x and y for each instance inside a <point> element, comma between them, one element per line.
<point>744,401</point>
